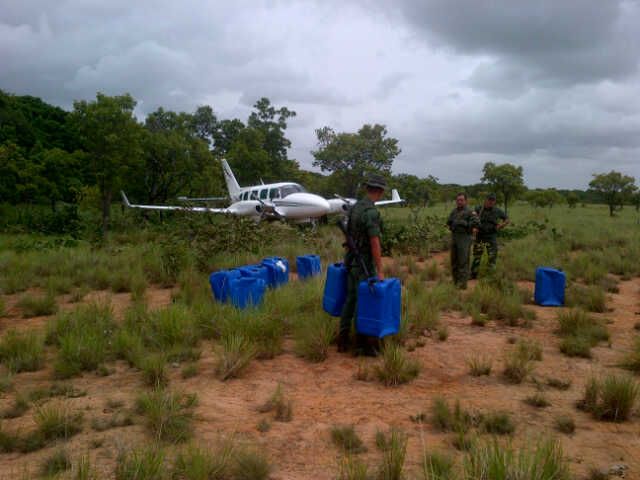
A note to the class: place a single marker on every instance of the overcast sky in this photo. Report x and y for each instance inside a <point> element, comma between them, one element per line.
<point>552,85</point>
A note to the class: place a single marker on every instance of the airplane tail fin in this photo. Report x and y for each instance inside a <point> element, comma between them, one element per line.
<point>230,179</point>
<point>125,199</point>
<point>395,196</point>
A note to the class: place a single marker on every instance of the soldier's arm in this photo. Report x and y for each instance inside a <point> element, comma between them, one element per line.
<point>376,253</point>
<point>504,223</point>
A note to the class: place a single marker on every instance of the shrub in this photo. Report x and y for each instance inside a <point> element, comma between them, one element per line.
<point>346,438</point>
<point>56,421</point>
<point>280,405</point>
<point>22,351</point>
<point>146,464</point>
<point>313,336</point>
<point>169,415</point>
<point>352,468</point>
<point>537,400</point>
<point>37,306</point>
<point>393,457</point>
<point>498,423</point>
<point>57,463</point>
<point>437,466</point>
<point>199,464</point>
<point>611,399</point>
<point>517,366</point>
<point>565,424</point>
<point>592,298</point>
<point>447,420</point>
<point>250,464</point>
<point>395,368</point>
<point>234,356</point>
<point>480,365</point>
<point>632,360</point>
<point>494,461</point>
<point>580,332</point>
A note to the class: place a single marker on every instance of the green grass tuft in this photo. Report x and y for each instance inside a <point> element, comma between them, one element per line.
<point>631,361</point>
<point>592,298</point>
<point>313,336</point>
<point>250,464</point>
<point>57,421</point>
<point>37,305</point>
<point>537,400</point>
<point>479,365</point>
<point>280,405</point>
<point>580,333</point>
<point>144,464</point>
<point>437,466</point>
<point>395,368</point>
<point>169,415</point>
<point>57,463</point>
<point>234,356</point>
<point>22,351</point>
<point>346,438</point>
<point>497,423</point>
<point>352,468</point>
<point>517,366</point>
<point>612,399</point>
<point>393,457</point>
<point>565,424</point>
<point>196,463</point>
<point>446,419</point>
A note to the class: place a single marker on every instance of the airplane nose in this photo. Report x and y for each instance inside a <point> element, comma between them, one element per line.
<point>320,205</point>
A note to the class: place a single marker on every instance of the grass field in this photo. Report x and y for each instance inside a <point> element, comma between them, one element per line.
<point>116,362</point>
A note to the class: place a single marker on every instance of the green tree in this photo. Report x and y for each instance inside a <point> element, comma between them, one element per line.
<point>505,179</point>
<point>61,174</point>
<point>572,199</point>
<point>352,155</point>
<point>225,134</point>
<point>248,158</point>
<point>110,135</point>
<point>272,123</point>
<point>614,188</point>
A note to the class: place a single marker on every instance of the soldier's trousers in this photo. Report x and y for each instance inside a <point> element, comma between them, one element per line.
<point>350,304</point>
<point>491,244</point>
<point>460,251</point>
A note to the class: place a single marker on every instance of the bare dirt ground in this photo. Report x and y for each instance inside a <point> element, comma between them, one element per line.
<point>327,394</point>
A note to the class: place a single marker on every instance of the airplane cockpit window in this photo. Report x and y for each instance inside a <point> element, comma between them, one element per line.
<point>245,195</point>
<point>263,194</point>
<point>291,188</point>
<point>254,195</point>
<point>274,193</point>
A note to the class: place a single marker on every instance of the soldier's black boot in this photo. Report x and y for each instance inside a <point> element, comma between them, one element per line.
<point>343,342</point>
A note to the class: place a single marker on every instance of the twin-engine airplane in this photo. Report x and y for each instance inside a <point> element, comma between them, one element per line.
<point>274,201</point>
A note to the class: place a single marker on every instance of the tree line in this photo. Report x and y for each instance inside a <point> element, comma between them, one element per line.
<point>52,156</point>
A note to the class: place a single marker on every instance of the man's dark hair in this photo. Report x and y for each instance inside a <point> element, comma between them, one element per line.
<point>374,189</point>
<point>463,194</point>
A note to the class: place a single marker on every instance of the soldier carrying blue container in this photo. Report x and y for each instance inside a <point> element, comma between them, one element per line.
<point>364,258</point>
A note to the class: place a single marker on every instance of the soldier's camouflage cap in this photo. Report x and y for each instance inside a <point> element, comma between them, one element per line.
<point>376,181</point>
<point>491,196</point>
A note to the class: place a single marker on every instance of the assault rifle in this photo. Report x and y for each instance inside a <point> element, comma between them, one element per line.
<point>353,248</point>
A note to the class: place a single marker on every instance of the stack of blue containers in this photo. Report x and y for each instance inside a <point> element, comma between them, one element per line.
<point>245,286</point>
<point>308,266</point>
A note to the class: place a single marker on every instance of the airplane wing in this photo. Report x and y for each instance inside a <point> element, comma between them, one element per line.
<point>395,199</point>
<point>202,199</point>
<point>172,207</point>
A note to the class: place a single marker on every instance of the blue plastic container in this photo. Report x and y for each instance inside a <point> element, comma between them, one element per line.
<point>247,292</point>
<point>278,268</point>
<point>255,271</point>
<point>335,289</point>
<point>550,285</point>
<point>221,283</point>
<point>379,308</point>
<point>308,266</point>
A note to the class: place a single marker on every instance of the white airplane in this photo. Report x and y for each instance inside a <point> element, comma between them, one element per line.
<point>273,201</point>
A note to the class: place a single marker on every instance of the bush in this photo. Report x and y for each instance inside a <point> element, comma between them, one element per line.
<point>498,423</point>
<point>313,336</point>
<point>145,464</point>
<point>447,420</point>
<point>234,356</point>
<point>392,466</point>
<point>346,438</point>
<point>611,399</point>
<point>437,466</point>
<point>591,298</point>
<point>632,360</point>
<point>580,332</point>
<point>57,463</point>
<point>37,306</point>
<point>494,461</point>
<point>169,415</point>
<point>56,421</point>
<point>565,424</point>
<point>480,365</point>
<point>22,351</point>
<point>395,368</point>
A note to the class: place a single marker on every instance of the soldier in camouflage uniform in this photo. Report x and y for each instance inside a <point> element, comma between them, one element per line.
<point>463,223</point>
<point>491,220</point>
<point>365,227</point>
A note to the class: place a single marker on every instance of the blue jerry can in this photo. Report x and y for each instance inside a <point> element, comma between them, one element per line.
<point>335,289</point>
<point>308,266</point>
<point>379,308</point>
<point>550,285</point>
<point>278,268</point>
<point>247,292</point>
<point>221,283</point>
<point>255,271</point>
